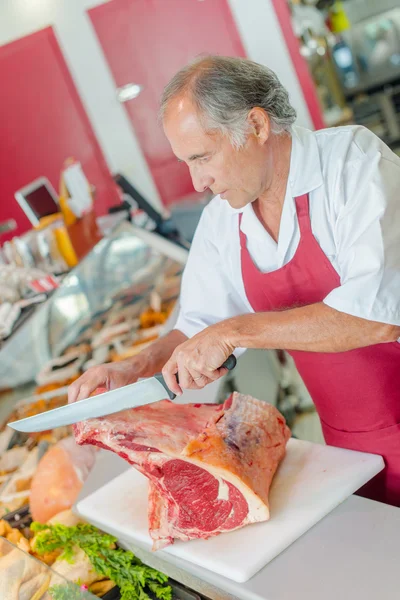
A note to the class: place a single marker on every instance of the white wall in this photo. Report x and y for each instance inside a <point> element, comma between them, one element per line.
<point>256,22</point>
<point>264,43</point>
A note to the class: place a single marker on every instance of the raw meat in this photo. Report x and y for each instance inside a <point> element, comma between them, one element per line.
<point>210,466</point>
<point>59,478</point>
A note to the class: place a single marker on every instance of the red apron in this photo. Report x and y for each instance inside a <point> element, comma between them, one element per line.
<point>356,393</point>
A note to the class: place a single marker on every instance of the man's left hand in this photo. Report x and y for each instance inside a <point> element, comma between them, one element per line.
<point>197,362</point>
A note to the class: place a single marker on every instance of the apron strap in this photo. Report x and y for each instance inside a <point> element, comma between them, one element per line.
<point>303,216</point>
<point>303,213</point>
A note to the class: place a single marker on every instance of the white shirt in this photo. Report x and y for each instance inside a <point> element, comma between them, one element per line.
<point>353,182</point>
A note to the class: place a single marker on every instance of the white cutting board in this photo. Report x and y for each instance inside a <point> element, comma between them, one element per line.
<point>310,482</point>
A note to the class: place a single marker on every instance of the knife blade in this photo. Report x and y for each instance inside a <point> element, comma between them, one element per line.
<point>145,391</point>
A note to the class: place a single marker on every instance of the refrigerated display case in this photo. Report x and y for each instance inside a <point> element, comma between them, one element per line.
<point>129,260</point>
<point>24,576</point>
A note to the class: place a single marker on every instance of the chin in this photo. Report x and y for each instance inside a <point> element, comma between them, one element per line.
<point>238,202</point>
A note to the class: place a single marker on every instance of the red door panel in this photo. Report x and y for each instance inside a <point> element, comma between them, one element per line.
<point>146,42</point>
<point>42,122</point>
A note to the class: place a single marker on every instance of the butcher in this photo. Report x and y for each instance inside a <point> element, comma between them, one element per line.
<point>299,250</point>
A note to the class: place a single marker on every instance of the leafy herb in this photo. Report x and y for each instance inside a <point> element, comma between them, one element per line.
<point>69,591</point>
<point>121,566</point>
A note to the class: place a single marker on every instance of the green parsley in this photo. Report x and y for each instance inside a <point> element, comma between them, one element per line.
<point>121,566</point>
<point>70,591</point>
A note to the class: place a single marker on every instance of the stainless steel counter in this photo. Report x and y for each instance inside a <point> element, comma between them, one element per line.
<point>352,554</point>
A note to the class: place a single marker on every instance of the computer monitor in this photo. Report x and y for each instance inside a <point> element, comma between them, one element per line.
<point>38,199</point>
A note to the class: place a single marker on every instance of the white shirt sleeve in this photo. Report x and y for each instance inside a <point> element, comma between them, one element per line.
<point>207,294</point>
<point>367,234</point>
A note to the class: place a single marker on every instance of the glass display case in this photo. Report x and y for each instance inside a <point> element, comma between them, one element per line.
<point>129,261</point>
<point>24,576</point>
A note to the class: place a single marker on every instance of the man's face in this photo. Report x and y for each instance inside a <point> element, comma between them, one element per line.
<point>240,176</point>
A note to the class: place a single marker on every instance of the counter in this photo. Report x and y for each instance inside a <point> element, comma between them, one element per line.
<point>352,554</point>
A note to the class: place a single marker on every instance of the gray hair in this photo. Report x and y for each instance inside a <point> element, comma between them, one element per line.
<point>224,89</point>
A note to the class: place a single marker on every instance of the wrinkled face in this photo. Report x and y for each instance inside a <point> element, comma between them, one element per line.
<point>240,176</point>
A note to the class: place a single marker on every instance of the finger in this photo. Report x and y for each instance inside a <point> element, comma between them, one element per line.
<point>220,372</point>
<point>87,383</point>
<point>215,374</point>
<point>196,379</point>
<point>73,391</point>
<point>201,381</point>
<point>204,376</point>
<point>169,373</point>
<point>85,390</point>
<point>186,377</point>
<point>191,379</point>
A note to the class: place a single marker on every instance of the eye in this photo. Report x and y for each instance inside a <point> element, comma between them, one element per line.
<point>204,159</point>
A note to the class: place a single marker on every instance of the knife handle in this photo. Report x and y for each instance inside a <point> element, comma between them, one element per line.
<point>229,364</point>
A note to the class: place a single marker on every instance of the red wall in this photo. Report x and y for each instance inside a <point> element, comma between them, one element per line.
<point>42,122</point>
<point>146,42</point>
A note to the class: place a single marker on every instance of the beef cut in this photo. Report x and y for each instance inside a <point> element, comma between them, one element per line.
<point>209,466</point>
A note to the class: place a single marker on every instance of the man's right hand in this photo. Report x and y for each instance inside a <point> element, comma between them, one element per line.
<point>109,376</point>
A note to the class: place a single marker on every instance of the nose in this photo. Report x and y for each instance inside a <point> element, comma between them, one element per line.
<point>201,180</point>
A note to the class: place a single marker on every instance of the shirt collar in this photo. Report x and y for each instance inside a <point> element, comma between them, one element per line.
<point>305,172</point>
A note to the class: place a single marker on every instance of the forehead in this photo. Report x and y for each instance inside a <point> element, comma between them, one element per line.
<point>185,131</point>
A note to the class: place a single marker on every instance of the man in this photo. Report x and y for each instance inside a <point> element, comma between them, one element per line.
<point>299,250</point>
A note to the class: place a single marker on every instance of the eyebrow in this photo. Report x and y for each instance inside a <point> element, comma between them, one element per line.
<point>194,156</point>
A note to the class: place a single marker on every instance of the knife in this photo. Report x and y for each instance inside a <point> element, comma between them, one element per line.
<point>145,391</point>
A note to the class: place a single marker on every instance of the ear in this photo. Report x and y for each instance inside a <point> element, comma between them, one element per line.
<point>259,123</point>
